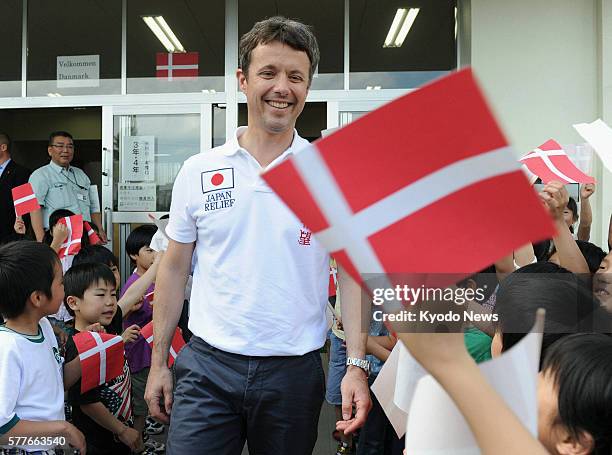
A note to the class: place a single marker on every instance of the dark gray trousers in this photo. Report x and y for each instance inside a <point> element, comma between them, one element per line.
<point>222,400</point>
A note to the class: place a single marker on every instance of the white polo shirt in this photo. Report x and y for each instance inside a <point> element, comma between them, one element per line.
<point>261,280</point>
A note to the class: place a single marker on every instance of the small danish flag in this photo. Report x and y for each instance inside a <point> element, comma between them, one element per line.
<point>177,65</point>
<point>102,357</point>
<point>72,244</point>
<point>333,280</point>
<point>177,341</point>
<point>442,170</point>
<point>91,234</point>
<point>24,199</point>
<point>550,162</point>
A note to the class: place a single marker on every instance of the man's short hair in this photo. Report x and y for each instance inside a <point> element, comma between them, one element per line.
<point>81,277</point>
<point>55,134</point>
<point>25,267</point>
<point>139,237</point>
<point>95,253</point>
<point>581,369</point>
<point>286,31</point>
<point>5,139</point>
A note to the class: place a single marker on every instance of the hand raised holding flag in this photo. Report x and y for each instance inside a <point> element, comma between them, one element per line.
<point>19,227</point>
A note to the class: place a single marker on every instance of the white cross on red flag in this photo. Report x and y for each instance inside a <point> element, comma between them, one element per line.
<point>550,162</point>
<point>176,65</point>
<point>177,341</point>
<point>72,244</point>
<point>94,239</point>
<point>24,199</point>
<point>425,184</point>
<point>101,356</point>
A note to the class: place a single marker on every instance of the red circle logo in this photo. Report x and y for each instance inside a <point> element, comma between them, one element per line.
<point>217,179</point>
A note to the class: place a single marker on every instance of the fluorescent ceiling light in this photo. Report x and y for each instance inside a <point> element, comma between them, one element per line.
<point>164,33</point>
<point>402,22</point>
<point>455,22</point>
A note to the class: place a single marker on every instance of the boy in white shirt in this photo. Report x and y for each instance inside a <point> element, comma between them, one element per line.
<point>31,385</point>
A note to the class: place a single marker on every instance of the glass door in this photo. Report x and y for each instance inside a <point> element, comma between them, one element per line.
<point>144,148</point>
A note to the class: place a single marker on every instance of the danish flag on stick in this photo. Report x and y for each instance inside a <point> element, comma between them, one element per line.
<point>72,245</point>
<point>91,234</point>
<point>24,199</point>
<point>177,341</point>
<point>425,184</point>
<point>550,162</point>
<point>102,358</point>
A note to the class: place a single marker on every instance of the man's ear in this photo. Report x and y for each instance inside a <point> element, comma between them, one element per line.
<point>72,302</point>
<point>571,445</point>
<point>133,257</point>
<point>242,80</point>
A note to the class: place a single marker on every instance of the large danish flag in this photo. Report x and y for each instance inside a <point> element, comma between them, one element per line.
<point>72,244</point>
<point>425,184</point>
<point>24,199</point>
<point>177,341</point>
<point>102,358</point>
<point>550,162</point>
<point>176,65</point>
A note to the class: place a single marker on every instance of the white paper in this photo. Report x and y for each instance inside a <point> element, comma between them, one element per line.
<point>435,425</point>
<point>599,135</point>
<point>395,386</point>
<point>78,71</point>
<point>137,197</point>
<point>138,159</point>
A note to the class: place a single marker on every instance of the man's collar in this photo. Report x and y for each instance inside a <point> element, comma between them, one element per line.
<point>3,164</point>
<point>56,167</point>
<point>233,146</point>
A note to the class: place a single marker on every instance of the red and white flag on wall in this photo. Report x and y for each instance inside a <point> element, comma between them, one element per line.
<point>72,244</point>
<point>550,162</point>
<point>102,358</point>
<point>425,184</point>
<point>24,199</point>
<point>177,341</point>
<point>94,239</point>
<point>176,65</point>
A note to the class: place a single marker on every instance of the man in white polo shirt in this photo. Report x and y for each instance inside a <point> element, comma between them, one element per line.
<point>252,370</point>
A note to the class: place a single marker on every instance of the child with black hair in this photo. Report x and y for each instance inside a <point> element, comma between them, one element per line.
<point>132,299</point>
<point>575,395</point>
<point>569,304</point>
<point>103,414</point>
<point>138,247</point>
<point>31,383</point>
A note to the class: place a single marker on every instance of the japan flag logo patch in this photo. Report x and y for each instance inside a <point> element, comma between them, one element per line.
<point>217,179</point>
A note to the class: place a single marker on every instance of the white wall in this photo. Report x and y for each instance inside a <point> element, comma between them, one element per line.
<point>540,64</point>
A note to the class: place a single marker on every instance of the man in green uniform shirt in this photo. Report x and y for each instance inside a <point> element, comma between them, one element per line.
<point>61,186</point>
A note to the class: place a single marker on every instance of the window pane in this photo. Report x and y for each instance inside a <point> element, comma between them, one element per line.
<point>74,47</point>
<point>428,50</point>
<point>328,28</point>
<point>10,55</point>
<point>149,151</point>
<point>199,28</point>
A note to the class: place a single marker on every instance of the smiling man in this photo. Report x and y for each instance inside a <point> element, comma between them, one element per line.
<point>252,370</point>
<point>58,185</point>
